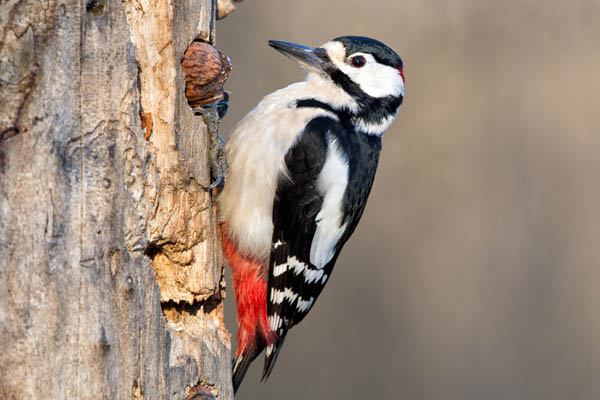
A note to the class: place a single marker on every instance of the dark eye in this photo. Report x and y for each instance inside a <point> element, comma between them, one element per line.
<point>358,61</point>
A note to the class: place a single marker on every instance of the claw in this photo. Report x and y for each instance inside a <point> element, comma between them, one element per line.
<point>223,105</point>
<point>218,163</point>
<point>216,183</point>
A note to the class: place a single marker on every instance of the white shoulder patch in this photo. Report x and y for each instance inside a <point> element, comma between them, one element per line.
<point>332,184</point>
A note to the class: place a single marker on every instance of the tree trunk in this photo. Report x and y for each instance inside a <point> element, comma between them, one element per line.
<point>111,280</point>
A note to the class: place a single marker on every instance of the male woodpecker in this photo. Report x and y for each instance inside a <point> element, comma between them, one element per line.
<point>301,166</point>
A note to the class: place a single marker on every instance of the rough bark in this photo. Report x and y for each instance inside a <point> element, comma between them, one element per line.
<point>111,279</point>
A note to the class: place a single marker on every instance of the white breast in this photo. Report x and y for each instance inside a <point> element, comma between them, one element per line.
<point>255,153</point>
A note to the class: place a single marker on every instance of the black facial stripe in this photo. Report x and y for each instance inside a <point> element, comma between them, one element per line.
<point>371,111</point>
<point>379,108</point>
<point>349,86</point>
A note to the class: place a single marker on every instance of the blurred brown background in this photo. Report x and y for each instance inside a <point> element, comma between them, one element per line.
<point>475,272</point>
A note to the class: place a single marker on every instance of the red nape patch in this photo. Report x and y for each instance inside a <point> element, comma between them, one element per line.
<point>250,287</point>
<point>401,70</point>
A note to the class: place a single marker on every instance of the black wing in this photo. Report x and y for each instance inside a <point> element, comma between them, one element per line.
<point>294,282</point>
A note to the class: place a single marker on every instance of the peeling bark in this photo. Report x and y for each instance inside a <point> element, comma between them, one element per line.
<point>111,280</point>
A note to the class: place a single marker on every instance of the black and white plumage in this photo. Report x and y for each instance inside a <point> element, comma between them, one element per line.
<point>331,170</point>
<point>302,164</point>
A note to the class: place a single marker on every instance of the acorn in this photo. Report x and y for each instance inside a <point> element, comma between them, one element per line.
<point>206,69</point>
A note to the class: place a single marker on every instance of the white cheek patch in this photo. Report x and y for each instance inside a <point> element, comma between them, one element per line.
<point>375,79</point>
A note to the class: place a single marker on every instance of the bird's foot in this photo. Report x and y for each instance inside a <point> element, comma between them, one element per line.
<point>211,113</point>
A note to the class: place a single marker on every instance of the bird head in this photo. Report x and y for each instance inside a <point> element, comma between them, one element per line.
<point>366,77</point>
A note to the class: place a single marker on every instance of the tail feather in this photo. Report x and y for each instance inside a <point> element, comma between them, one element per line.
<point>271,355</point>
<point>241,364</point>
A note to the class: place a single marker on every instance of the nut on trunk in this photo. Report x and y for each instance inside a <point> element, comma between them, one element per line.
<point>206,69</point>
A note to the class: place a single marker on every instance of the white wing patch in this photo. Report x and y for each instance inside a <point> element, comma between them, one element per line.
<point>332,184</point>
<point>279,269</point>
<point>298,268</point>
<point>277,296</point>
<point>313,275</point>
<point>304,305</point>
<point>297,265</point>
<point>275,322</point>
<point>292,263</point>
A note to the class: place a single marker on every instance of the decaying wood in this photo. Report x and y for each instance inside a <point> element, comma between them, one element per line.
<point>111,281</point>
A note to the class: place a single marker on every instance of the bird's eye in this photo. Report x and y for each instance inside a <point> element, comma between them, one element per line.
<point>358,61</point>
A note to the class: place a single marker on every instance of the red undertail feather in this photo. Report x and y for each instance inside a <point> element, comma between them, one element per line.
<point>250,288</point>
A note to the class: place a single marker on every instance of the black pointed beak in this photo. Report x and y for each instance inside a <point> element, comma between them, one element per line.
<point>308,57</point>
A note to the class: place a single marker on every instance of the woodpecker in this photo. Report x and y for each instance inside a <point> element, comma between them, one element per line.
<point>301,166</point>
